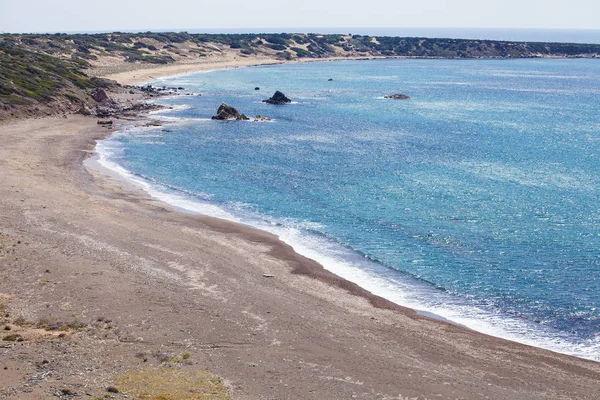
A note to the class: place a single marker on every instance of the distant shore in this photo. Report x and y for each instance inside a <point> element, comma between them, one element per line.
<point>68,65</point>
<point>137,76</point>
<point>142,75</point>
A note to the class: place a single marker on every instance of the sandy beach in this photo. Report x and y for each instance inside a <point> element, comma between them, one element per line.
<point>137,76</point>
<point>77,246</point>
<point>133,75</point>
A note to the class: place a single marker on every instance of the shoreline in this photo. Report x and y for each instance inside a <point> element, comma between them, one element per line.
<point>305,265</point>
<point>188,206</point>
<point>308,309</point>
<point>143,75</point>
<point>506,329</point>
<point>239,301</point>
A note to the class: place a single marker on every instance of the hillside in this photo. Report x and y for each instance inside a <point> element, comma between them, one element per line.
<point>49,73</point>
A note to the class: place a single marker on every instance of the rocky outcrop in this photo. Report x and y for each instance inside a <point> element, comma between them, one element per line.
<point>99,95</point>
<point>228,113</point>
<point>278,98</point>
<point>105,123</point>
<point>398,96</point>
<point>260,118</point>
<point>84,110</point>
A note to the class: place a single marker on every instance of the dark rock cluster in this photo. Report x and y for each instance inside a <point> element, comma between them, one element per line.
<point>398,96</point>
<point>278,98</point>
<point>228,113</point>
<point>149,89</point>
<point>99,95</point>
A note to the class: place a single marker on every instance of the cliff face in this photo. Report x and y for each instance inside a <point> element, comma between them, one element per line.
<point>48,74</point>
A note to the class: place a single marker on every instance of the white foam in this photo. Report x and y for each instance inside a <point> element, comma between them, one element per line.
<point>163,79</point>
<point>173,108</point>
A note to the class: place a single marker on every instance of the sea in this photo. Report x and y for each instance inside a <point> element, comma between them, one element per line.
<point>476,201</point>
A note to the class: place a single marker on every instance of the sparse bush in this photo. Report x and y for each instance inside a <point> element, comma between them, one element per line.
<point>300,52</point>
<point>173,384</point>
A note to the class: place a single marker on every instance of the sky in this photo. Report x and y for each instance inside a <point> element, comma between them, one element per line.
<point>18,16</point>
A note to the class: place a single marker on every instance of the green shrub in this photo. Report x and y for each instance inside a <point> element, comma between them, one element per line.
<point>300,52</point>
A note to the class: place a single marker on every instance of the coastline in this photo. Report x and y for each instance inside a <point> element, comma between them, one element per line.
<point>372,283</point>
<point>143,75</point>
<point>261,320</point>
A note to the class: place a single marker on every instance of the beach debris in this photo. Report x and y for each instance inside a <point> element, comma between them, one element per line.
<point>398,96</point>
<point>228,113</point>
<point>278,98</point>
<point>268,275</point>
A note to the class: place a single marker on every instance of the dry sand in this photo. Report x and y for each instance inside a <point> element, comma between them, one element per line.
<point>78,246</point>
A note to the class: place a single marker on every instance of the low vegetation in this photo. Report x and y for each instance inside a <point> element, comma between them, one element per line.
<point>32,79</point>
<point>172,384</point>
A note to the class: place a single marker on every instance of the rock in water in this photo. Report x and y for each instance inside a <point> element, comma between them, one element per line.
<point>278,98</point>
<point>257,88</point>
<point>228,113</point>
<point>398,96</point>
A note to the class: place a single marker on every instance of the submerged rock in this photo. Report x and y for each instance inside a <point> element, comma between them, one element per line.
<point>398,96</point>
<point>278,98</point>
<point>228,113</point>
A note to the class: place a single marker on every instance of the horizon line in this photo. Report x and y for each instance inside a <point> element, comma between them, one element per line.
<point>304,30</point>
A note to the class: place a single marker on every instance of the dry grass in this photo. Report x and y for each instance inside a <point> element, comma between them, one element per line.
<point>172,384</point>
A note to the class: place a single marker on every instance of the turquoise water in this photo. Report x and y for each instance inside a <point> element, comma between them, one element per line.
<point>478,200</point>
